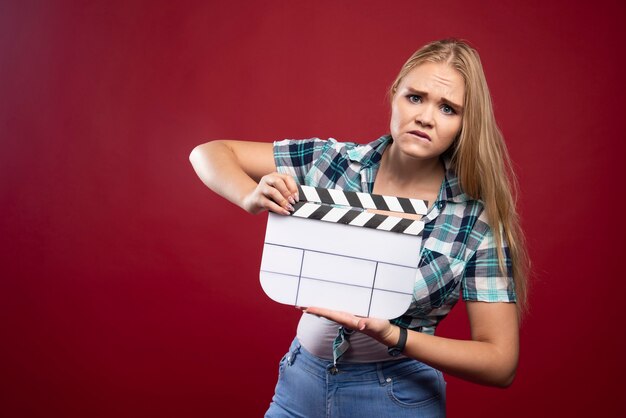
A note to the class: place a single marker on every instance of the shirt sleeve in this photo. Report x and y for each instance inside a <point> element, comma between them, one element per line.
<point>296,157</point>
<point>483,281</point>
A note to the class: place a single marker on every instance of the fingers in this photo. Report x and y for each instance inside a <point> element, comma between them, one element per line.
<point>280,192</point>
<point>344,318</point>
<point>285,185</point>
<point>275,199</point>
<point>374,327</point>
<point>273,207</point>
<point>292,187</point>
<point>360,324</point>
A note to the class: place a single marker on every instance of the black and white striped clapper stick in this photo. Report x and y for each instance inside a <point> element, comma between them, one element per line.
<point>333,205</point>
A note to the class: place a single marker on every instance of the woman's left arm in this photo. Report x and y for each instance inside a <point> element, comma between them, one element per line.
<point>489,358</point>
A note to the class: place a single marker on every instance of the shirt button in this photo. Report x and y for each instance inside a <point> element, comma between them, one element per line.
<point>388,380</point>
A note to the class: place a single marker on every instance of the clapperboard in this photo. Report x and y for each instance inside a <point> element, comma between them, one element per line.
<point>332,253</point>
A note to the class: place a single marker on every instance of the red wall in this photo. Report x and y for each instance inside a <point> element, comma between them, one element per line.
<point>128,289</point>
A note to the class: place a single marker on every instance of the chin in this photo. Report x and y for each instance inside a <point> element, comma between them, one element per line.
<point>419,155</point>
<point>411,149</point>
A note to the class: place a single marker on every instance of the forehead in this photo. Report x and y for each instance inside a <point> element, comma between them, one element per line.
<point>437,79</point>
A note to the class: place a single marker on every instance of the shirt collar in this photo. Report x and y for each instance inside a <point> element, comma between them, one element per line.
<point>451,187</point>
<point>369,155</point>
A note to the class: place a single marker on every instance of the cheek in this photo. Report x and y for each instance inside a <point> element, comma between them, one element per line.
<point>394,121</point>
<point>399,115</point>
<point>452,129</point>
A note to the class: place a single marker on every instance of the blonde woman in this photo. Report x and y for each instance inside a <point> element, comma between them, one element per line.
<point>444,147</point>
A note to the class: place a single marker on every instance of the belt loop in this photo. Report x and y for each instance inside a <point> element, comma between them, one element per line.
<point>379,372</point>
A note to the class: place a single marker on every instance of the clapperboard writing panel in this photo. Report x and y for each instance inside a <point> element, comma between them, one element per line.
<point>332,253</point>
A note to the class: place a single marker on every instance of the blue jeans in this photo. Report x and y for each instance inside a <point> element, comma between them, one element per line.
<point>398,388</point>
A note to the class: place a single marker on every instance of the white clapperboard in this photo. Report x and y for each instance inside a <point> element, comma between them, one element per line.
<point>356,261</point>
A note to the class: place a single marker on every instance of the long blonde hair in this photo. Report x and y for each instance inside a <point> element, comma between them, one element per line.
<point>479,154</point>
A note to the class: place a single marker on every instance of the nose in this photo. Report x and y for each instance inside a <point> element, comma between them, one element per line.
<point>425,116</point>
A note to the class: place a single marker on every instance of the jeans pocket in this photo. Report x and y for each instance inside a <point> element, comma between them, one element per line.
<point>422,386</point>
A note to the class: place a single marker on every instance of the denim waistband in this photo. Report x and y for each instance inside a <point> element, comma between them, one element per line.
<point>376,371</point>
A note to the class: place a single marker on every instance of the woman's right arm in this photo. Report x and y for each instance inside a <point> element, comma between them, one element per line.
<point>245,174</point>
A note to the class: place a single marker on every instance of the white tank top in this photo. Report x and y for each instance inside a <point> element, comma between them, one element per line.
<point>317,335</point>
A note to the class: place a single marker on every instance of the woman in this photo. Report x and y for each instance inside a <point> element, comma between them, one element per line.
<point>444,147</point>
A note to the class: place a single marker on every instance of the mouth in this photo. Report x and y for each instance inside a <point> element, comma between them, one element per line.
<point>420,134</point>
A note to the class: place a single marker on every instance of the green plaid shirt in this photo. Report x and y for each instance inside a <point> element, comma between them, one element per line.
<point>458,253</point>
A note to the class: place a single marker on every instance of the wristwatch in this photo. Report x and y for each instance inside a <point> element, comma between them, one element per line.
<point>397,349</point>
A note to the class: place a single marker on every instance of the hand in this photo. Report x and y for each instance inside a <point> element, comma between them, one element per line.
<point>379,329</point>
<point>275,192</point>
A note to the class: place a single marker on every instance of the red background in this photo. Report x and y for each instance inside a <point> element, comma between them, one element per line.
<point>128,289</point>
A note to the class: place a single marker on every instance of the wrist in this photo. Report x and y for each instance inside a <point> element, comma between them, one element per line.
<point>247,199</point>
<point>391,336</point>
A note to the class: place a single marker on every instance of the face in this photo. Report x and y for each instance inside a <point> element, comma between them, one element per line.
<point>427,110</point>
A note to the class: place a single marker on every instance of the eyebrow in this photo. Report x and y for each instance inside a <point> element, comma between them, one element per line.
<point>458,107</point>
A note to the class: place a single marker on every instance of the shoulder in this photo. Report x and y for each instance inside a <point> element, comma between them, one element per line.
<point>352,150</point>
<point>330,163</point>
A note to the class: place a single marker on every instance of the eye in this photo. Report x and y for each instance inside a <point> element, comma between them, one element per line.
<point>447,110</point>
<point>414,98</point>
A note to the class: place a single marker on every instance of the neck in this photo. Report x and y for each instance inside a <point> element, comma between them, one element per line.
<point>408,172</point>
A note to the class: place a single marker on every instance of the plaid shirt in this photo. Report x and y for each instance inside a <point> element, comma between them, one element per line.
<point>458,252</point>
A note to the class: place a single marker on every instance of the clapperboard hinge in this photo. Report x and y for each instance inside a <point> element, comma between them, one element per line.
<point>338,206</point>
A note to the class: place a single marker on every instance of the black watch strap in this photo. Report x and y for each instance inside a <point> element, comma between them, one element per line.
<point>397,349</point>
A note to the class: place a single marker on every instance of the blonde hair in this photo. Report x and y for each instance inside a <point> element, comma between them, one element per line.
<point>479,155</point>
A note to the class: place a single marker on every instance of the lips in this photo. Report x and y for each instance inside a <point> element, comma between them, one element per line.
<point>421,134</point>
